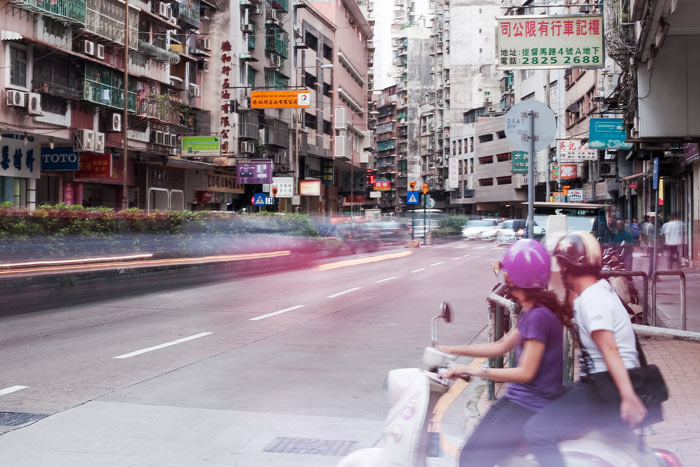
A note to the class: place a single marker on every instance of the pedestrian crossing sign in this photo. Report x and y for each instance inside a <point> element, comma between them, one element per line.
<point>412,197</point>
<point>260,199</point>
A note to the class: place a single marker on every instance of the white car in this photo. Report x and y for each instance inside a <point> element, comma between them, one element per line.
<point>485,229</point>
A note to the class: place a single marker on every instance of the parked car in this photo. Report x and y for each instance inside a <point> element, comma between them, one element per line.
<point>480,229</point>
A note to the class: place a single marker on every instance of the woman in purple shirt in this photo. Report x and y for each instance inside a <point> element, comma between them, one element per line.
<point>538,341</point>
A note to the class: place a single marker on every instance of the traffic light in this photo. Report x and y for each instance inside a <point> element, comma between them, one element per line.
<point>274,192</point>
<point>425,189</point>
<point>413,186</point>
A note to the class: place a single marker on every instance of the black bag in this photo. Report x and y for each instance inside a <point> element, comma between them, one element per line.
<point>646,380</point>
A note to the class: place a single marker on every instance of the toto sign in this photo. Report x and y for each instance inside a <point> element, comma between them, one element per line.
<point>59,158</point>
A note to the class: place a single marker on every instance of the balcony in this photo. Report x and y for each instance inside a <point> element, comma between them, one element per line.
<point>67,10</point>
<point>276,80</point>
<point>189,12</point>
<point>277,41</point>
<point>386,145</point>
<point>277,133</point>
<point>105,86</point>
<point>279,4</point>
<point>105,18</point>
<point>164,109</point>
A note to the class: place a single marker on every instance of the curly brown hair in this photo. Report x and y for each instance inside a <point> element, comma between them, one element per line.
<point>549,299</point>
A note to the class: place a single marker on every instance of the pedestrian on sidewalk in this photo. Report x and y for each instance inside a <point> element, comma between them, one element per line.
<point>605,331</point>
<point>635,231</point>
<point>538,343</point>
<point>673,241</point>
<point>646,231</point>
<point>623,240</point>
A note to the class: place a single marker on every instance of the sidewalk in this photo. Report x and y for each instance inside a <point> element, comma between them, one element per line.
<point>668,294</point>
<point>680,431</point>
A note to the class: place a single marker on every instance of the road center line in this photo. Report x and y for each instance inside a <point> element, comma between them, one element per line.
<point>465,256</point>
<point>385,280</point>
<point>343,292</point>
<point>457,258</point>
<point>291,308</point>
<point>12,389</point>
<point>417,270</point>
<point>162,346</point>
<point>437,264</point>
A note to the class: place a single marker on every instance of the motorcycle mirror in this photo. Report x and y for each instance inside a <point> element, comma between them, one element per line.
<point>446,312</point>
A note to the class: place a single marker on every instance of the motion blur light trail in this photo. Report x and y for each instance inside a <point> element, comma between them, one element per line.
<point>370,259</point>
<point>75,261</point>
<point>63,268</point>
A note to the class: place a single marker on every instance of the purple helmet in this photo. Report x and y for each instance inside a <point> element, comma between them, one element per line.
<point>527,264</point>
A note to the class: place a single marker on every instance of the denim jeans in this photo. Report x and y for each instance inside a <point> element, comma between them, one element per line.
<point>497,436</point>
<point>574,413</point>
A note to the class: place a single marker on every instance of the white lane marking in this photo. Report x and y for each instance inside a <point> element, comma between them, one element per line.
<point>457,258</point>
<point>437,264</point>
<point>465,256</point>
<point>481,247</point>
<point>12,389</point>
<point>417,270</point>
<point>291,308</point>
<point>343,292</point>
<point>162,346</point>
<point>385,280</point>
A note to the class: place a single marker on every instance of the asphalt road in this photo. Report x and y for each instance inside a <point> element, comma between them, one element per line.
<point>212,375</point>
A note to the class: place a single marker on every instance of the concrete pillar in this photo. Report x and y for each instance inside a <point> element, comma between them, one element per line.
<point>31,194</point>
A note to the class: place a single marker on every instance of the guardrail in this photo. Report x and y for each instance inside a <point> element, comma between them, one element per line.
<point>681,276</point>
<point>497,306</point>
<point>645,290</point>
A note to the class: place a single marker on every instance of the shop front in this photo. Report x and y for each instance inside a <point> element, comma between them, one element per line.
<point>99,181</point>
<point>215,190</point>
<point>162,188</point>
<point>20,168</point>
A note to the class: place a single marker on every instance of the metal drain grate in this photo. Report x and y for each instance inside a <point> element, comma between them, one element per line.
<point>18,418</point>
<point>320,447</point>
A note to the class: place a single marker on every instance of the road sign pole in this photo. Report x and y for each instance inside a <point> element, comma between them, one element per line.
<point>413,222</point>
<point>531,179</point>
<point>425,212</point>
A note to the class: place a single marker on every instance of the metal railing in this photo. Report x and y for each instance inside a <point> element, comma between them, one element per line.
<point>654,277</point>
<point>645,289</point>
<point>497,306</point>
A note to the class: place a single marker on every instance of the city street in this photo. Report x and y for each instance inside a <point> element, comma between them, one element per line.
<point>212,375</point>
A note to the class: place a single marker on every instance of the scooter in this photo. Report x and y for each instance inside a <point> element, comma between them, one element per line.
<point>410,438</point>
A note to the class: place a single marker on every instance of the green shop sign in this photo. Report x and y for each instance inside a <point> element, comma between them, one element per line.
<point>201,146</point>
<point>519,159</point>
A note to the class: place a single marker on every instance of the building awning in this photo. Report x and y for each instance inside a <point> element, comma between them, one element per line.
<point>11,36</point>
<point>189,164</point>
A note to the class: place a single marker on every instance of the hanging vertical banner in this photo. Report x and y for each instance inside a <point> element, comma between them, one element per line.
<point>453,174</point>
<point>327,173</point>
<point>532,42</point>
<point>225,121</point>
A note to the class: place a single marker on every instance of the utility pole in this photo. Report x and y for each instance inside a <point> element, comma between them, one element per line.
<point>547,101</point>
<point>125,114</point>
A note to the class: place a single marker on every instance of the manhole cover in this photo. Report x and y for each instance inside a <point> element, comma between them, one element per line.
<point>321,447</point>
<point>18,418</point>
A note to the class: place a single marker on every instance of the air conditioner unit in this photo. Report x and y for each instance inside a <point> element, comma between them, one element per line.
<point>116,123</point>
<point>15,98</point>
<point>248,147</point>
<point>204,43</point>
<point>100,51</point>
<point>245,103</point>
<point>247,27</point>
<point>341,120</point>
<point>99,142</point>
<point>203,65</point>
<point>85,140</point>
<point>173,140</point>
<point>173,16</point>
<point>164,10</point>
<point>158,137</point>
<point>88,48</point>
<point>194,90</point>
<point>272,15</point>
<point>174,152</point>
<point>166,139</point>
<point>275,61</point>
<point>34,104</point>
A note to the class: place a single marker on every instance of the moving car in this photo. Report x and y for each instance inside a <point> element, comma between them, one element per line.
<point>511,231</point>
<point>480,229</point>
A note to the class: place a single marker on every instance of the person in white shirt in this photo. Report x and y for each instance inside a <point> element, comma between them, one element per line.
<point>673,240</point>
<point>606,332</point>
